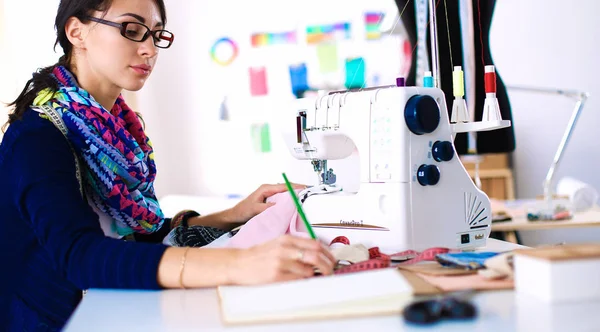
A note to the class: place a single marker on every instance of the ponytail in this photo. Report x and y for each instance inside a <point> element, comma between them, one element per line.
<point>42,79</point>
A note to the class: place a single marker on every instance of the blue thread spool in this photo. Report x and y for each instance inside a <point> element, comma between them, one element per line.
<point>428,80</point>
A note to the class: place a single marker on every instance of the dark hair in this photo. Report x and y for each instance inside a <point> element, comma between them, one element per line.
<point>41,78</point>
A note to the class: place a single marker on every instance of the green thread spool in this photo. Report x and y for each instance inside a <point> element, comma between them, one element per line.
<point>458,82</point>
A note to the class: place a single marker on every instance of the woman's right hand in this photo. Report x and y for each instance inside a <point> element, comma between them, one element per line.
<point>285,258</point>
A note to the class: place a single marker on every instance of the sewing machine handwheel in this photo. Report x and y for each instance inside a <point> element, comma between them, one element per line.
<point>422,114</point>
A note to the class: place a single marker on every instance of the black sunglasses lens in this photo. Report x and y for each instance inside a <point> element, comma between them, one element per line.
<point>424,312</point>
<point>431,311</point>
<point>456,309</point>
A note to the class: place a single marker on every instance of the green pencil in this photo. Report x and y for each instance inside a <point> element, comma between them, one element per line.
<point>299,207</point>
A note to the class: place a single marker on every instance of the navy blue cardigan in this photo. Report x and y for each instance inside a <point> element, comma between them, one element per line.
<point>51,243</point>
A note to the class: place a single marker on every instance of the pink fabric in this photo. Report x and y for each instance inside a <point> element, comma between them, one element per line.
<point>279,219</point>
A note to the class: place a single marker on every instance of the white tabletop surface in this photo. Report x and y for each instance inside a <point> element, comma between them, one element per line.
<point>198,310</point>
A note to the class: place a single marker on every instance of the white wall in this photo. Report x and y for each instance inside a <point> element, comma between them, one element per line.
<point>197,153</point>
<point>26,44</point>
<point>550,43</point>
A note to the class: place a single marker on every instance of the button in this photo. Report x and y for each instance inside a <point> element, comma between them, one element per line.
<point>428,175</point>
<point>464,239</point>
<point>442,151</point>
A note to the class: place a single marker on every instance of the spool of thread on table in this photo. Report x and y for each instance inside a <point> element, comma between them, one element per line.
<point>490,79</point>
<point>400,81</point>
<point>491,108</point>
<point>428,80</point>
<point>458,82</point>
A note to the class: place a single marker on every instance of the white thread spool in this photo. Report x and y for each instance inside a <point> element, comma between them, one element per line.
<point>582,195</point>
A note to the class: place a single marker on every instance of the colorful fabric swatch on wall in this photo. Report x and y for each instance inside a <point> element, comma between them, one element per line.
<point>326,33</point>
<point>261,137</point>
<point>258,81</point>
<point>299,79</point>
<point>224,51</point>
<point>355,73</point>
<point>328,57</point>
<point>372,24</point>
<point>408,54</point>
<point>275,38</point>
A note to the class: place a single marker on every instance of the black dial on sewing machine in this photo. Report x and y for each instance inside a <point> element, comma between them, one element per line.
<point>442,151</point>
<point>428,175</point>
<point>422,114</point>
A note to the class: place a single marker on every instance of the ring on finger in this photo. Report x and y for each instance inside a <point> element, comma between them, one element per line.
<point>300,255</point>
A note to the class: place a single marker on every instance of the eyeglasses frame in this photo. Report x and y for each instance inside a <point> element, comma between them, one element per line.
<point>148,33</point>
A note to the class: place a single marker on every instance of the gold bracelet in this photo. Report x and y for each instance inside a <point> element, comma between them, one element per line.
<point>182,267</point>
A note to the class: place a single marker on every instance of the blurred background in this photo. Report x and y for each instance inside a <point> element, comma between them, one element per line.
<point>213,105</point>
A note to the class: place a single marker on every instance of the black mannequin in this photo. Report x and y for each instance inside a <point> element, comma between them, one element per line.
<point>496,141</point>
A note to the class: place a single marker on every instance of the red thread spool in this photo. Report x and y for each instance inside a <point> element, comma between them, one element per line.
<point>490,79</point>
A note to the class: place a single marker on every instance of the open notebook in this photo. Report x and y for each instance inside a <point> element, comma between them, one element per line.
<point>375,292</point>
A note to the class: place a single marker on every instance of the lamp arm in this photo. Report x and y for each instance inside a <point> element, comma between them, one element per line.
<point>581,98</point>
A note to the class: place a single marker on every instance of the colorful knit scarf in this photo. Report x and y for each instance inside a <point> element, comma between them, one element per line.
<point>120,172</point>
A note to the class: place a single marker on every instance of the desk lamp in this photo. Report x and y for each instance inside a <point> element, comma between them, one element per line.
<point>552,208</point>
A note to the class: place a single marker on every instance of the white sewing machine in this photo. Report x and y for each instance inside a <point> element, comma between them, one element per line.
<point>414,191</point>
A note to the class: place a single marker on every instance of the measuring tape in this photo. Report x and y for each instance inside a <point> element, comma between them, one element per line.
<point>379,260</point>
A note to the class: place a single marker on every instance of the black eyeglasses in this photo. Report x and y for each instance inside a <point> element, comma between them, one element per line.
<point>139,32</point>
<point>432,311</point>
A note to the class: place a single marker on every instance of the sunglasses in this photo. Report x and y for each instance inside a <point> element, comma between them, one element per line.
<point>432,311</point>
<point>139,32</point>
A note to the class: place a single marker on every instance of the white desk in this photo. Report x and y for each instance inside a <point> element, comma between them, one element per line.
<point>198,310</point>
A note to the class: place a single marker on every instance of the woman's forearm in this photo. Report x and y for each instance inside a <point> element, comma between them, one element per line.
<point>221,220</point>
<point>204,267</point>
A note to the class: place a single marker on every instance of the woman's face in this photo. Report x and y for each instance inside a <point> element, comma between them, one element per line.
<point>116,59</point>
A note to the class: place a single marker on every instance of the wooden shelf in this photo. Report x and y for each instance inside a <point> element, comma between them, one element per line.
<point>496,183</point>
<point>495,174</point>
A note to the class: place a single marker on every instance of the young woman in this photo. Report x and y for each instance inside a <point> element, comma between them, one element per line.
<point>77,173</point>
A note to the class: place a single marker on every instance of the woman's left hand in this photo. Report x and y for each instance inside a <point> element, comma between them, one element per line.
<point>256,202</point>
